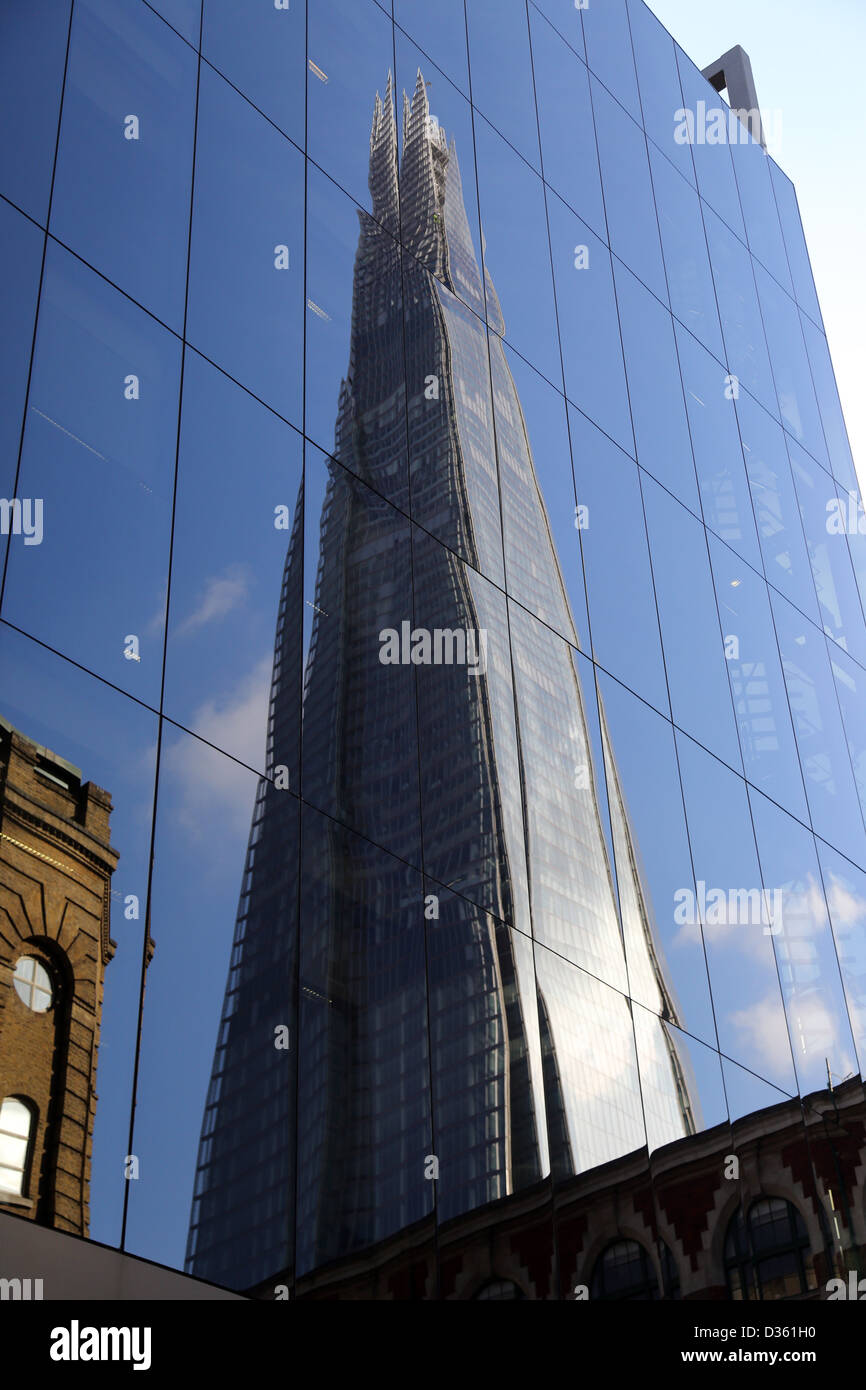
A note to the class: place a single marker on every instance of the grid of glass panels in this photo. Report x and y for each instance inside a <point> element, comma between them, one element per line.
<point>438,532</point>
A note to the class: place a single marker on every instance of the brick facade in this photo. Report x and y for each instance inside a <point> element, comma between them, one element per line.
<point>56,864</point>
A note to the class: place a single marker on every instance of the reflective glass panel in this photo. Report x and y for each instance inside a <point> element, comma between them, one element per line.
<point>501,71</point>
<point>568,148</point>
<point>805,949</point>
<point>757,684</point>
<point>588,324</point>
<point>655,390</point>
<point>99,453</point>
<point>690,282</point>
<point>246,268</point>
<point>236,584</point>
<point>659,82</point>
<point>124,162</point>
<point>695,648</point>
<point>703,125</point>
<point>32,58</point>
<point>622,611</point>
<point>725,499</point>
<point>261,50</point>
<point>824,754</point>
<point>440,32</point>
<point>520,304</point>
<point>742,325</point>
<point>763,230</point>
<point>609,52</point>
<point>20,269</point>
<point>777,513</point>
<point>628,195</point>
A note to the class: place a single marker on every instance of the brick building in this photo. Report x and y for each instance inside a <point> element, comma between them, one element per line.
<point>782,1221</point>
<point>56,864</point>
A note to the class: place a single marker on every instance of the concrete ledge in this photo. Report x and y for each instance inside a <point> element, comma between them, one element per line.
<point>75,1270</point>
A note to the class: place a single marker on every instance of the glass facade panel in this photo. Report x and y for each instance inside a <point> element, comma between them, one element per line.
<point>776,509</point>
<point>260,51</point>
<point>518,284</point>
<point>740,313</point>
<point>628,195</point>
<point>245,291</point>
<point>795,243</point>
<point>568,152</point>
<point>655,391</point>
<point>618,583</point>
<point>725,500</point>
<point>734,918</point>
<point>818,1022</point>
<point>124,162</point>
<point>589,330</point>
<point>690,282</point>
<point>500,68</point>
<point>22,244</point>
<point>712,158</point>
<point>32,58</point>
<point>609,51</point>
<point>230,584</point>
<point>99,449</point>
<point>763,229</point>
<point>659,83</point>
<point>432,644</point>
<point>825,520</point>
<point>653,862</point>
<point>796,393</point>
<point>182,15</point>
<point>824,751</point>
<point>695,643</point>
<point>440,33</point>
<point>757,684</point>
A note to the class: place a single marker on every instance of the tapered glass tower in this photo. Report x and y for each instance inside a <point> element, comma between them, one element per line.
<point>509,803</point>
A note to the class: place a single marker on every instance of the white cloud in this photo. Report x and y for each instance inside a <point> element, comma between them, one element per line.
<point>846,907</point>
<point>223,593</point>
<point>763,1037</point>
<point>815,1036</point>
<point>213,793</point>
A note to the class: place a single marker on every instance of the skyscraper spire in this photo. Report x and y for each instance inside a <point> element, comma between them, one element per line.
<point>383,178</point>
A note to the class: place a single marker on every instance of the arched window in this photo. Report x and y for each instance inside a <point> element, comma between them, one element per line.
<point>33,984</point>
<point>500,1288</point>
<point>767,1258</point>
<point>16,1131</point>
<point>624,1272</point>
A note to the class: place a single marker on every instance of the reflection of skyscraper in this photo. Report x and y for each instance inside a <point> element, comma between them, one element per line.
<point>56,864</point>
<point>538,1078</point>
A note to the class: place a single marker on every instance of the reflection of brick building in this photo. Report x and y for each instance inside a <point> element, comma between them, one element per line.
<point>56,864</point>
<point>669,1228</point>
